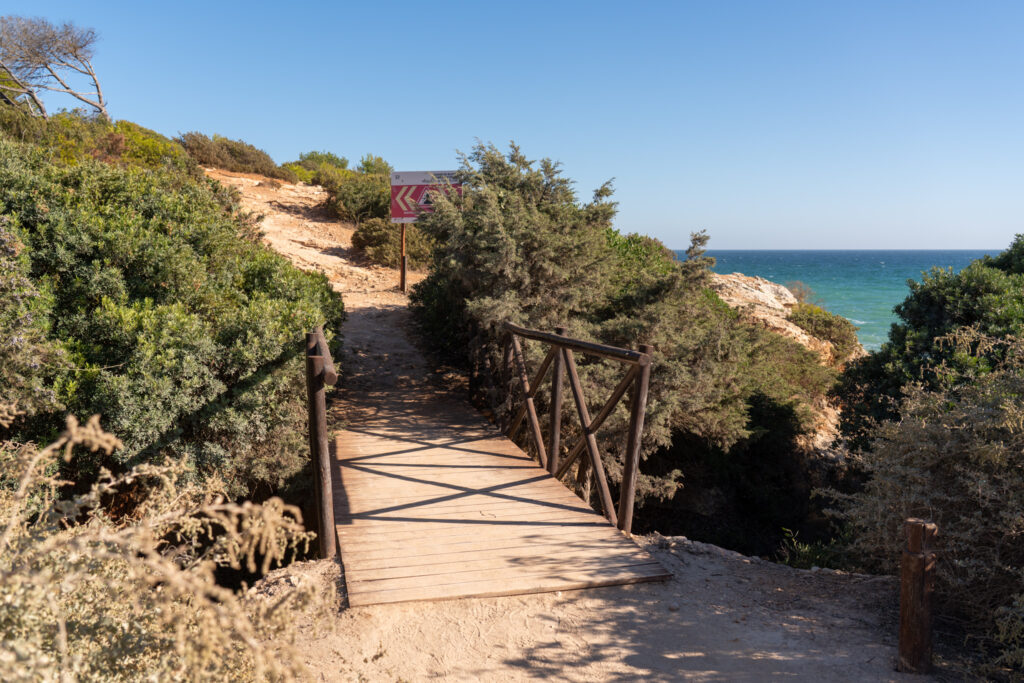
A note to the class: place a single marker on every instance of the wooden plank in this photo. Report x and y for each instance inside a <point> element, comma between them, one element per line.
<point>554,572</point>
<point>413,531</point>
<point>517,548</point>
<point>472,536</point>
<point>469,501</point>
<point>512,509</point>
<point>492,561</point>
<point>423,514</point>
<point>551,538</point>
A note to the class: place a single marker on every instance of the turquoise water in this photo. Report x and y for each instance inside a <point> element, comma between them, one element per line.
<point>860,285</point>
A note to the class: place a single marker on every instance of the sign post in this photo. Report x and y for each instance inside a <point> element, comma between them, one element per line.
<point>411,197</point>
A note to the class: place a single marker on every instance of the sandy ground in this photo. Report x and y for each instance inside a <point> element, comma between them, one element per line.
<point>723,616</point>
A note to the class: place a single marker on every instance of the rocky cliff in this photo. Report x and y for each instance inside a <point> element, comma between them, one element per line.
<point>769,304</point>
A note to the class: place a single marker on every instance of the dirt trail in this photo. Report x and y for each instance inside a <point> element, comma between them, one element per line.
<point>723,617</point>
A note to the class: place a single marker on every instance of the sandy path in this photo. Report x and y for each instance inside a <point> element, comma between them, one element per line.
<point>723,617</point>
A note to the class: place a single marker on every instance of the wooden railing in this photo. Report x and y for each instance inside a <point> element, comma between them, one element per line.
<point>319,373</point>
<point>561,357</point>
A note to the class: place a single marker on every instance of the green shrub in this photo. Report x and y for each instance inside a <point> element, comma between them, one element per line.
<point>233,155</point>
<point>312,163</point>
<point>302,174</point>
<point>956,457</point>
<point>518,246</point>
<point>833,328</point>
<point>180,329</point>
<point>314,160</point>
<point>27,358</point>
<point>372,164</point>
<point>987,295</point>
<point>354,196</point>
<point>73,137</point>
<point>381,241</point>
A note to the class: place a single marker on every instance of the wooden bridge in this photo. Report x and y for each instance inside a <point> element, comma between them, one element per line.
<point>431,501</point>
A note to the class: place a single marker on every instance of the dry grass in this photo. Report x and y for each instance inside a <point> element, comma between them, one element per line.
<point>87,596</point>
<point>956,456</point>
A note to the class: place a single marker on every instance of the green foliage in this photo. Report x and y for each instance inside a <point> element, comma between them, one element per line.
<point>380,240</point>
<point>183,331</point>
<point>360,195</point>
<point>832,328</point>
<point>312,163</point>
<point>73,138</point>
<point>371,164</point>
<point>518,246</point>
<point>987,295</point>
<point>27,358</point>
<point>316,159</point>
<point>233,155</point>
<point>793,552</point>
<point>956,457</point>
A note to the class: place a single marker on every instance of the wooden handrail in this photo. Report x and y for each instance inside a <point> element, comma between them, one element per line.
<point>319,373</point>
<point>330,376</point>
<point>592,348</point>
<point>561,357</point>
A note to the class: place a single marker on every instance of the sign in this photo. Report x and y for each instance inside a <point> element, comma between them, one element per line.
<point>411,192</point>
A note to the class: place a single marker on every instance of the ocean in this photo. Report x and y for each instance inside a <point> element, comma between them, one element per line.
<point>862,286</point>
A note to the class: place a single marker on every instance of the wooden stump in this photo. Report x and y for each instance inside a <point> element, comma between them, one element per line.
<point>917,580</point>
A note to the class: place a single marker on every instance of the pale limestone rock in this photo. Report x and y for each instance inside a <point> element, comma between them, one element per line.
<point>769,304</point>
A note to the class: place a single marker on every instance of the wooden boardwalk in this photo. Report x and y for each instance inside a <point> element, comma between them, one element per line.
<point>431,502</point>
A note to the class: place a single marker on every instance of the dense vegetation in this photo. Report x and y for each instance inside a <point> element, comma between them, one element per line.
<point>151,301</point>
<point>957,457</point>
<point>233,155</point>
<point>729,401</point>
<point>937,412</point>
<point>132,287</point>
<point>310,164</point>
<point>88,595</point>
<point>381,241</point>
<point>988,295</point>
<point>836,329</point>
<point>357,194</point>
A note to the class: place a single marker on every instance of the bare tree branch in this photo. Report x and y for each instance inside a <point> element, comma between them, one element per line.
<point>40,55</point>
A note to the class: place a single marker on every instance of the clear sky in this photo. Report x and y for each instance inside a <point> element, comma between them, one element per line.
<point>772,125</point>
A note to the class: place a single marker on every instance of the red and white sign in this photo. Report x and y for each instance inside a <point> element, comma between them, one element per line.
<point>411,192</point>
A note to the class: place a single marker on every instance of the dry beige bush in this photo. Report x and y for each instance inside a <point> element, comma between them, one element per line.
<point>87,596</point>
<point>956,457</point>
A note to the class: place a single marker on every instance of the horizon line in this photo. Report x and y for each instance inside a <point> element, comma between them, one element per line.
<point>1000,249</point>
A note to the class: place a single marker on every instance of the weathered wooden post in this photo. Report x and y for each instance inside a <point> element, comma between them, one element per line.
<point>636,429</point>
<point>917,580</point>
<point>319,372</point>
<point>403,284</point>
<point>531,410</point>
<point>556,409</point>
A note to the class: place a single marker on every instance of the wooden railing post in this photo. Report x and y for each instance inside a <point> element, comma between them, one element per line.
<point>531,410</point>
<point>631,464</point>
<point>556,410</point>
<point>590,468</point>
<point>319,370</point>
<point>917,579</point>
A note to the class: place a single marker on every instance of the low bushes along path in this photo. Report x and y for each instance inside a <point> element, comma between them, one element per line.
<point>721,617</point>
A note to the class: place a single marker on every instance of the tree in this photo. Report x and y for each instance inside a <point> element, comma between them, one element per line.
<point>36,55</point>
<point>987,295</point>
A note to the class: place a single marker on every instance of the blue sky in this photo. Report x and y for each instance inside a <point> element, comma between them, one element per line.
<point>772,125</point>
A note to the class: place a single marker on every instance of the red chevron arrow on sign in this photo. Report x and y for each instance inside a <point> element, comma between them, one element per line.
<point>409,192</point>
